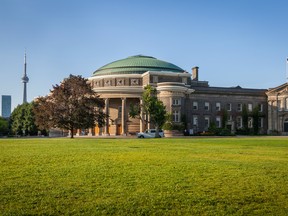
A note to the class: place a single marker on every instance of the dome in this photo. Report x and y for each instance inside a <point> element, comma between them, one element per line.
<point>138,64</point>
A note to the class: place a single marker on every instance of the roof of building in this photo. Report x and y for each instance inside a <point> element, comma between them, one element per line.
<point>137,65</point>
<point>229,90</point>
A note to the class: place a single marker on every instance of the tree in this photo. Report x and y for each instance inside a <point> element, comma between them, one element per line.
<point>152,108</point>
<point>71,105</point>
<point>4,126</point>
<point>22,120</point>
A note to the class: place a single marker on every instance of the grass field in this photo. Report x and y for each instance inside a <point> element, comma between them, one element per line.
<point>197,176</point>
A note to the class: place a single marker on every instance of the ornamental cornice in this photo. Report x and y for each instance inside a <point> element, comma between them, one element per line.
<point>117,89</point>
<point>120,95</point>
<point>174,87</point>
<point>116,76</point>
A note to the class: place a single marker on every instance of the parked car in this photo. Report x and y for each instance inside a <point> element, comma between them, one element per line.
<point>150,133</point>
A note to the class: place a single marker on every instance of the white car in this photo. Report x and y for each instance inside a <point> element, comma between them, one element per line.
<point>150,133</point>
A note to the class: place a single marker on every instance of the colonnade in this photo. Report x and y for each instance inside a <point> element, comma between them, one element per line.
<point>106,129</point>
<point>277,116</point>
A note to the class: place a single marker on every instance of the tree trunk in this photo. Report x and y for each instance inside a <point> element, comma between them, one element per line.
<point>157,132</point>
<point>71,133</point>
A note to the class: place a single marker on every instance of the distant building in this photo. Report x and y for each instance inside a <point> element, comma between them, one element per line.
<point>6,106</point>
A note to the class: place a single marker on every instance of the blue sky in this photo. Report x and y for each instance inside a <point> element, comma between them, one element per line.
<point>234,43</point>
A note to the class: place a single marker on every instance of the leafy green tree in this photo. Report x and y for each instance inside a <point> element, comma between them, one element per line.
<point>23,120</point>
<point>4,126</point>
<point>152,108</point>
<point>17,120</point>
<point>71,105</point>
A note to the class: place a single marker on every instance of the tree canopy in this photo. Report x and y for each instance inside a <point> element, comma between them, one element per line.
<point>152,109</point>
<point>4,126</point>
<point>22,120</point>
<point>70,105</point>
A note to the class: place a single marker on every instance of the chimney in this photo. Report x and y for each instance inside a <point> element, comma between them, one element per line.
<point>195,75</point>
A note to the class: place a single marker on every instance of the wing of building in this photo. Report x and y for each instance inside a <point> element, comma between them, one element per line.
<point>277,99</point>
<point>121,84</point>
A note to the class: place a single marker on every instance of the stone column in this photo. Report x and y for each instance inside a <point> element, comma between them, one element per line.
<point>270,116</point>
<point>123,120</point>
<point>106,129</point>
<point>274,116</point>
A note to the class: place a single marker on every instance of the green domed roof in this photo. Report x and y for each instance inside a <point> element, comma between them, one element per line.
<point>137,65</point>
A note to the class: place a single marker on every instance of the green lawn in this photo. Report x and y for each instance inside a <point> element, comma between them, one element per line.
<point>195,176</point>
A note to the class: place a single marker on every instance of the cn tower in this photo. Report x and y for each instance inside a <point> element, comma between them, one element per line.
<point>25,80</point>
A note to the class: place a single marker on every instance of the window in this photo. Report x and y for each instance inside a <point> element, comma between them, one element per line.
<point>229,107</point>
<point>239,107</point>
<point>195,105</point>
<point>195,121</point>
<point>176,116</point>
<point>286,103</point>
<point>218,106</point>
<point>250,122</point>
<point>218,121</point>
<point>260,107</point>
<point>207,106</point>
<point>207,122</point>
<point>176,102</point>
<point>230,118</point>
<point>261,122</point>
<point>250,107</point>
<point>239,122</point>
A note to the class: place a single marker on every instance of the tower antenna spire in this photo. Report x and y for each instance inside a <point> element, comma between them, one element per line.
<point>286,69</point>
<point>25,80</point>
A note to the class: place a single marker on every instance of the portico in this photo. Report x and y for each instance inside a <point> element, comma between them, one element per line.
<point>278,109</point>
<point>118,121</point>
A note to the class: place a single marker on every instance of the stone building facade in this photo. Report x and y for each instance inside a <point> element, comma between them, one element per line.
<point>121,83</point>
<point>277,99</point>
